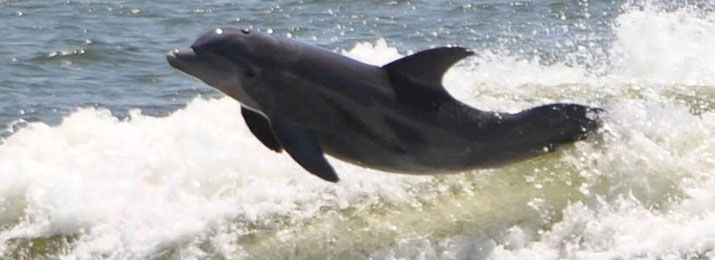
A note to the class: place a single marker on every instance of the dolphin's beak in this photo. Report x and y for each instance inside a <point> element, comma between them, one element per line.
<point>179,58</point>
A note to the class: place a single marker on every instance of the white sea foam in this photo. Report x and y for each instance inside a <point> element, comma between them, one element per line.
<point>196,184</point>
<point>665,48</point>
<point>132,187</point>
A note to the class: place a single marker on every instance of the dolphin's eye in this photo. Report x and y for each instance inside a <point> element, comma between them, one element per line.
<point>249,74</point>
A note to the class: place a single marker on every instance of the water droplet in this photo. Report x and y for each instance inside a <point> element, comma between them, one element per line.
<point>219,31</point>
<point>19,13</point>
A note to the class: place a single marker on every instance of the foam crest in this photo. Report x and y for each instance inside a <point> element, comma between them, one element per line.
<point>665,47</point>
<point>377,54</point>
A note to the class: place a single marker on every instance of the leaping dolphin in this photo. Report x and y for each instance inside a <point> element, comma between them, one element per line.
<point>398,118</point>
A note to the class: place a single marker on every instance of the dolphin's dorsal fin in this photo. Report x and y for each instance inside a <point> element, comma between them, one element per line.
<point>417,79</point>
<point>428,67</point>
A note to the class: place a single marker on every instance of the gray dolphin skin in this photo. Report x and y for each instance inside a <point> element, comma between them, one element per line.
<point>399,118</point>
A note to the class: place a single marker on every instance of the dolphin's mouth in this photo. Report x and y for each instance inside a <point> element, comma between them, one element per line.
<point>178,58</point>
<point>187,60</point>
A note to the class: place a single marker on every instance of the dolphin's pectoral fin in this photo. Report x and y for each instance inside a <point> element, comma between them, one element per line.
<point>261,128</point>
<point>417,79</point>
<point>303,147</point>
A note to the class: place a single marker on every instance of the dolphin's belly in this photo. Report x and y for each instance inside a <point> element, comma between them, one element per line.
<point>386,141</point>
<point>373,154</point>
<point>404,152</point>
<point>425,159</point>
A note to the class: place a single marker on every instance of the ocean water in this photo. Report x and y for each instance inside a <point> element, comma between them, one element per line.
<point>108,153</point>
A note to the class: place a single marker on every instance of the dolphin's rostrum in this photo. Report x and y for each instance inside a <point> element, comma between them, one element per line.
<point>398,118</point>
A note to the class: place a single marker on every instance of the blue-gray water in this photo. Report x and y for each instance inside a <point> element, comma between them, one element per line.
<point>106,152</point>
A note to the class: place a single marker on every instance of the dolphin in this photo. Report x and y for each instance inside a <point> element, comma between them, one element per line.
<point>397,118</point>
